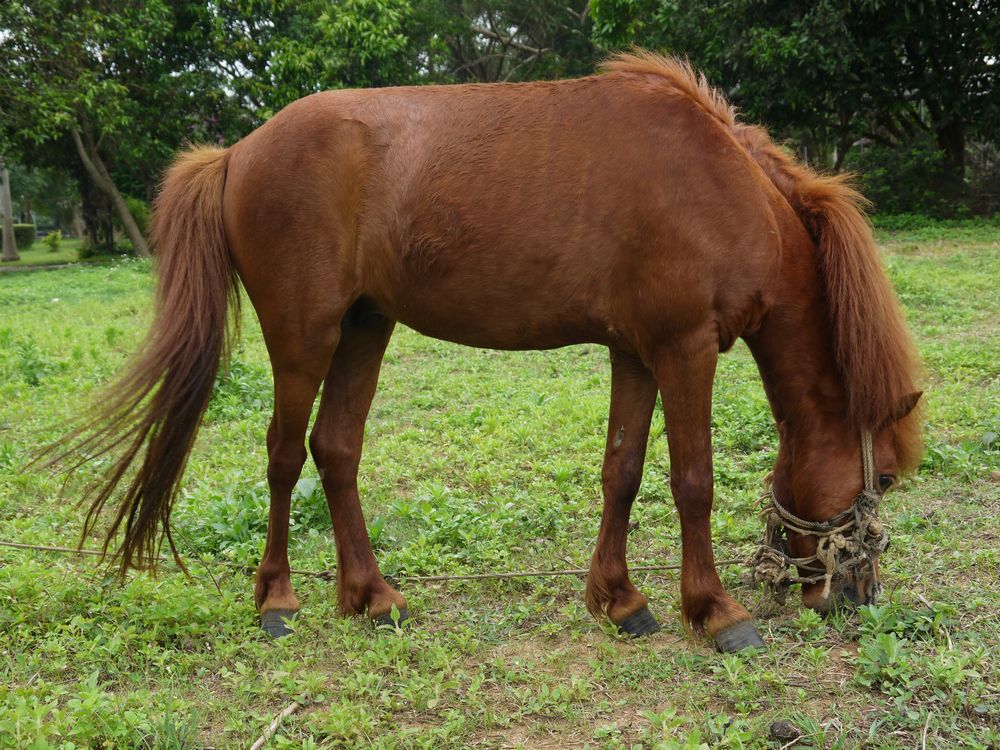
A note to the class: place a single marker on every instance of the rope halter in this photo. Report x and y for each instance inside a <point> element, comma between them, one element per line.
<point>849,540</point>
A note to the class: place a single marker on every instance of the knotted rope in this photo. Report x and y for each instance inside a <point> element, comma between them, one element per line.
<point>849,540</point>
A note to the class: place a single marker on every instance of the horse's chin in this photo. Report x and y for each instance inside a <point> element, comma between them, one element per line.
<point>848,593</point>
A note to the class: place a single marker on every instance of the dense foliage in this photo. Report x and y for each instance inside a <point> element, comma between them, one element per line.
<point>97,95</point>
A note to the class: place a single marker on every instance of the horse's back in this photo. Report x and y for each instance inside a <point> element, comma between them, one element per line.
<point>513,216</point>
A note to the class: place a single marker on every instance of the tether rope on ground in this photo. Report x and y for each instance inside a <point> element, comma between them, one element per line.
<point>332,574</point>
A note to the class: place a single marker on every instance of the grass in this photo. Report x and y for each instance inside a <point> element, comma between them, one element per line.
<point>39,254</point>
<point>480,461</point>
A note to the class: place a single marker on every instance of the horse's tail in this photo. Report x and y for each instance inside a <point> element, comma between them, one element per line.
<point>157,406</point>
<point>873,346</point>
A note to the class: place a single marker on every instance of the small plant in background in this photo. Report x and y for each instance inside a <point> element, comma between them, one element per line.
<point>886,664</point>
<point>31,363</point>
<point>52,240</point>
<point>8,454</point>
<point>816,656</point>
<point>810,624</point>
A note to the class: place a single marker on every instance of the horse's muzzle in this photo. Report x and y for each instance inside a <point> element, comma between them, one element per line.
<point>861,586</point>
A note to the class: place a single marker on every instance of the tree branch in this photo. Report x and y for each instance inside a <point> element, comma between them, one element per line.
<point>94,165</point>
<point>509,41</point>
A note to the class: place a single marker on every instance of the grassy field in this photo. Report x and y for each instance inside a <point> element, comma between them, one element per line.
<point>39,254</point>
<point>481,461</point>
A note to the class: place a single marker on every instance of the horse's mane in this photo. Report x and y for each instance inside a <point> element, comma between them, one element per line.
<point>872,346</point>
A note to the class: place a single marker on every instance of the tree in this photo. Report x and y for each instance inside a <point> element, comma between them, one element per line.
<point>275,51</point>
<point>113,81</point>
<point>935,65</point>
<point>513,40</point>
<point>52,193</point>
<point>829,73</point>
<point>9,243</point>
<point>272,52</point>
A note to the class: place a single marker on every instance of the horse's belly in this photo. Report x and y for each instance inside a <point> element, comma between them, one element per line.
<point>513,313</point>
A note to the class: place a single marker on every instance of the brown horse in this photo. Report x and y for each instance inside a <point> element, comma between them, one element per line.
<point>629,209</point>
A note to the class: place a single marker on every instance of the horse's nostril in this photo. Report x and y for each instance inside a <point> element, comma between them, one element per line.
<point>851,593</point>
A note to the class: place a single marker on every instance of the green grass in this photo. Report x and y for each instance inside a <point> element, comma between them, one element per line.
<point>39,254</point>
<point>481,461</point>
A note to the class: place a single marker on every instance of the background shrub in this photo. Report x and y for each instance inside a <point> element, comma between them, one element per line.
<point>24,235</point>
<point>52,240</point>
<point>982,161</point>
<point>121,247</point>
<point>140,212</point>
<point>905,179</point>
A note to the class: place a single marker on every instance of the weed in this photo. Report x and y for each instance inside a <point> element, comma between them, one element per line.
<point>31,364</point>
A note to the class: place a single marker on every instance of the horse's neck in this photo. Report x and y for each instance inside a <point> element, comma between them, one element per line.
<point>793,347</point>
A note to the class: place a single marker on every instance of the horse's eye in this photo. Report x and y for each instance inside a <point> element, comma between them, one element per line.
<point>885,481</point>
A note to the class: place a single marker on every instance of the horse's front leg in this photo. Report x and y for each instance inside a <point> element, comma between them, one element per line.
<point>609,590</point>
<point>685,372</point>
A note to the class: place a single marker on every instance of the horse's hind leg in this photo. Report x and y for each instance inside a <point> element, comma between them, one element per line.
<point>335,443</point>
<point>299,362</point>
<point>685,372</point>
<point>609,590</point>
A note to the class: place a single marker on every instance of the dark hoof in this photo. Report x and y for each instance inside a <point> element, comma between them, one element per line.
<point>387,621</point>
<point>273,621</point>
<point>639,623</point>
<point>738,637</point>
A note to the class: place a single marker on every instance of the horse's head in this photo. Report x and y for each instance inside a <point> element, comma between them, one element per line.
<point>826,488</point>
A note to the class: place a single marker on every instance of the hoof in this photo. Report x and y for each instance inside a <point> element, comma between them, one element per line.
<point>273,621</point>
<point>738,637</point>
<point>639,623</point>
<point>387,621</point>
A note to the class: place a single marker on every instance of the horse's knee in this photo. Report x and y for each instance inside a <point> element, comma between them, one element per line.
<point>327,451</point>
<point>692,494</point>
<point>284,465</point>
<point>336,462</point>
<point>622,483</point>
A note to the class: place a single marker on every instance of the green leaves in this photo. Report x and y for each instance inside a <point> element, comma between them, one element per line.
<point>827,73</point>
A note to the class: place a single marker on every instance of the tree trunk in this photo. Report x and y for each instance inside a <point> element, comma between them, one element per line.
<point>9,244</point>
<point>92,203</point>
<point>102,180</point>
<point>76,223</point>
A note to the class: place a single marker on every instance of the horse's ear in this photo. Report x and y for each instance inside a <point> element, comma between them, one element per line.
<point>905,405</point>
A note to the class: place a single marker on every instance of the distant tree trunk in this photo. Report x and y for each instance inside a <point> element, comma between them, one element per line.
<point>76,222</point>
<point>9,244</point>
<point>846,135</point>
<point>843,146</point>
<point>96,210</point>
<point>102,180</point>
